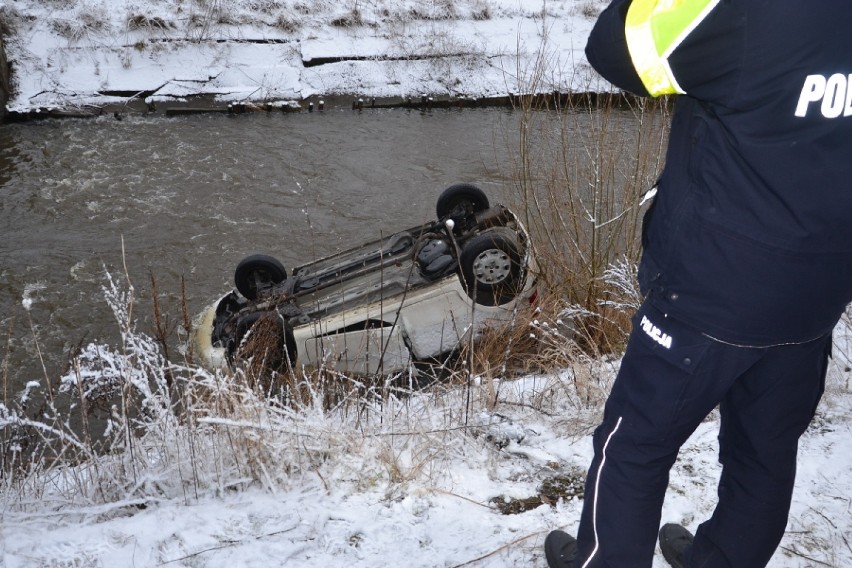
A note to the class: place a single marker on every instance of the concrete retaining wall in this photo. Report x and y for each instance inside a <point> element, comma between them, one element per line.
<point>5,81</point>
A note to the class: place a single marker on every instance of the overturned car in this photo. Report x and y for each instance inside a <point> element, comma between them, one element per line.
<point>414,296</point>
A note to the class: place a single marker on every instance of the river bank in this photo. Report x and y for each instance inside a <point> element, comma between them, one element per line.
<point>4,79</point>
<point>84,59</point>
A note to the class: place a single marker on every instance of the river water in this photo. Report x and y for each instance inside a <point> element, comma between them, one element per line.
<point>189,197</point>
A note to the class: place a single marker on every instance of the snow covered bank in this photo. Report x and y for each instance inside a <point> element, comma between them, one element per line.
<point>5,81</point>
<point>421,478</point>
<point>94,54</point>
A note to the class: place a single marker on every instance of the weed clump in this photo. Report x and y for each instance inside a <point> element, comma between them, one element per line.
<point>142,22</point>
<point>560,487</point>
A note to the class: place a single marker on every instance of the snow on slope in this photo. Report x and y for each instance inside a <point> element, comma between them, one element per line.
<point>73,54</point>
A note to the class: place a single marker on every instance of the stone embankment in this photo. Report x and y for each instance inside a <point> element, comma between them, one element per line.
<point>131,101</point>
<point>5,80</point>
<point>200,104</point>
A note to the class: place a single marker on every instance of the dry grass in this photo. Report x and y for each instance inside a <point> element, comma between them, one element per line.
<point>580,174</point>
<point>262,354</point>
<point>202,20</point>
<point>581,169</point>
<point>154,23</point>
<point>10,20</point>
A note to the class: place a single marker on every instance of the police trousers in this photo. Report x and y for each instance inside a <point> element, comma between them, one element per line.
<point>671,377</point>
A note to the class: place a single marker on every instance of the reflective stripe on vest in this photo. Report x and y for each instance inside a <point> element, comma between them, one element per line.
<point>654,29</point>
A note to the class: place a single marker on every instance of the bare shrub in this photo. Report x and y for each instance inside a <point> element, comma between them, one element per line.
<point>121,392</point>
<point>141,22</point>
<point>10,20</point>
<point>581,177</point>
<point>68,29</point>
<point>481,13</point>
<point>303,8</point>
<point>590,9</point>
<point>266,6</point>
<point>582,167</point>
<point>60,4</point>
<point>263,353</point>
<point>90,20</point>
<point>287,24</point>
<point>201,24</point>
<point>350,19</point>
<point>229,19</point>
<point>436,10</point>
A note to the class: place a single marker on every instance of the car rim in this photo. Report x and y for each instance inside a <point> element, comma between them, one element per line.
<point>492,266</point>
<point>262,279</point>
<point>461,210</point>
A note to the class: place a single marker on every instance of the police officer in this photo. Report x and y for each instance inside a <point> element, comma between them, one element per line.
<point>746,269</point>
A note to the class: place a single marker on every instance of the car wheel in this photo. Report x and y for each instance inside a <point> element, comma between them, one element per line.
<point>257,273</point>
<point>461,201</point>
<point>491,267</point>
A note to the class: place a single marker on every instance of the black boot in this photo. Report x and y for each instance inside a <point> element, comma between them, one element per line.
<point>674,542</point>
<point>560,548</point>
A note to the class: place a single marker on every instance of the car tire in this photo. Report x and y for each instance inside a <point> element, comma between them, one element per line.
<point>492,267</point>
<point>461,201</point>
<point>257,273</point>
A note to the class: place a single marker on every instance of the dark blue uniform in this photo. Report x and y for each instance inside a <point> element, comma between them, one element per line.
<point>747,268</point>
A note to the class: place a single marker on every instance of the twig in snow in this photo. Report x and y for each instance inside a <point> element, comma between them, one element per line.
<point>227,544</point>
<point>795,552</point>
<point>499,549</point>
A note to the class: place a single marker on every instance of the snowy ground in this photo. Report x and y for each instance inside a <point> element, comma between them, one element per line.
<point>415,487</point>
<point>433,478</point>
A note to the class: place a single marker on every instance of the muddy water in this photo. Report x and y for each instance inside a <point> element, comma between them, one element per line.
<point>189,197</point>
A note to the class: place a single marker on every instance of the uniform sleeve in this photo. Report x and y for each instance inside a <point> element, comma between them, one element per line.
<point>607,49</point>
<point>709,62</point>
<point>662,47</point>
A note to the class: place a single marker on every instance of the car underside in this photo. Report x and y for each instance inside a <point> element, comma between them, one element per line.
<point>413,296</point>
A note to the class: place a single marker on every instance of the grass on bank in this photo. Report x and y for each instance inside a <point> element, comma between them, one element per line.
<point>201,20</point>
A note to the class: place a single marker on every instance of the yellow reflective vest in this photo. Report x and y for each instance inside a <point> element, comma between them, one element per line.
<point>654,29</point>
